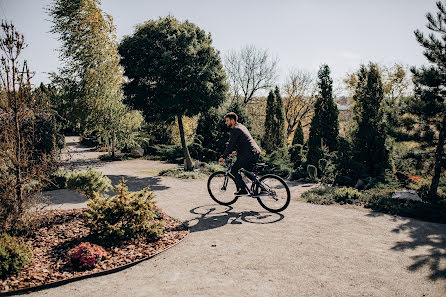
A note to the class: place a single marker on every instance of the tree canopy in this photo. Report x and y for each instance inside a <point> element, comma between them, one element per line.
<point>172,71</point>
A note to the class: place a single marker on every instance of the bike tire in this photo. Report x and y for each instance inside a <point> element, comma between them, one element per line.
<point>231,190</point>
<point>263,199</point>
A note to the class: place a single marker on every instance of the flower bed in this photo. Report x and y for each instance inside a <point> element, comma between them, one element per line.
<point>52,241</point>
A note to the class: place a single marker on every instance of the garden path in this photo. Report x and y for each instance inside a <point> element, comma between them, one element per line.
<point>308,250</point>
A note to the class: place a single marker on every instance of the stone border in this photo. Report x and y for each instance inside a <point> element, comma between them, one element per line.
<point>78,278</point>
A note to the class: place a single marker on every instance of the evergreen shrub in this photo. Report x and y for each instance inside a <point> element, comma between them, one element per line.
<point>88,182</point>
<point>347,195</point>
<point>123,216</point>
<point>14,255</point>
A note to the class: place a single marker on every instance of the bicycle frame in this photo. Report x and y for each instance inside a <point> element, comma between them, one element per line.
<point>250,175</point>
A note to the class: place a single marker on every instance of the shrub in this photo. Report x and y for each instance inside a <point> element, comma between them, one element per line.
<point>347,195</point>
<point>320,195</point>
<point>58,180</point>
<point>278,163</point>
<point>312,172</point>
<point>88,182</point>
<point>123,216</point>
<point>181,173</point>
<point>14,255</point>
<point>171,153</point>
<point>85,256</point>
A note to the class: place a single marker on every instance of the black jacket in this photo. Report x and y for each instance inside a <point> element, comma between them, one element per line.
<point>241,141</point>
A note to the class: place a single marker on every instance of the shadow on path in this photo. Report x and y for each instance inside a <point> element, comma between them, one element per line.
<point>215,216</point>
<point>138,183</point>
<point>430,236</point>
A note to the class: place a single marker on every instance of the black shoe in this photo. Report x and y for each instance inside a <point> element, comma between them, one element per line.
<point>241,192</point>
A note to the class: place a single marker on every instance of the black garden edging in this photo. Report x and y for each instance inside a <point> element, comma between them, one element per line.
<point>100,273</point>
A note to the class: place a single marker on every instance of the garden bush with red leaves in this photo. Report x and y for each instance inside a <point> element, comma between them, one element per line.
<point>85,256</point>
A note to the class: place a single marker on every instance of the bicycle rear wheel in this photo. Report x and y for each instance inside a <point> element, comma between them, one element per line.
<point>273,193</point>
<point>221,187</point>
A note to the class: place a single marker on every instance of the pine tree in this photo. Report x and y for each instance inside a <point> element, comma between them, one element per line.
<point>298,137</point>
<point>430,96</point>
<point>325,123</point>
<point>369,135</point>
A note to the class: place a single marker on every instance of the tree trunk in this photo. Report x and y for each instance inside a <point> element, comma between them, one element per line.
<point>187,157</point>
<point>113,141</point>
<point>438,161</point>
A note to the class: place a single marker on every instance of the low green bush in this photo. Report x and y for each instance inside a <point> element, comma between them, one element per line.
<point>165,152</point>
<point>14,255</point>
<point>123,216</point>
<point>182,174</point>
<point>57,180</point>
<point>278,163</point>
<point>88,182</point>
<point>321,195</point>
<point>381,200</point>
<point>347,195</point>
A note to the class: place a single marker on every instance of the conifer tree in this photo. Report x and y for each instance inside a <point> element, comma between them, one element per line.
<point>270,120</point>
<point>274,137</point>
<point>369,135</point>
<point>430,96</point>
<point>298,137</point>
<point>279,139</point>
<point>324,128</point>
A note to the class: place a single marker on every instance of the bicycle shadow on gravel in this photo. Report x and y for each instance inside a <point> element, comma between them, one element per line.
<point>215,216</point>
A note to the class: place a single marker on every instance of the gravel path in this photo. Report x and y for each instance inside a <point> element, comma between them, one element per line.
<point>308,250</point>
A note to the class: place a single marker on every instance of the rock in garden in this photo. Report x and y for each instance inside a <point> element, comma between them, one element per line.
<point>406,194</point>
<point>137,151</point>
<point>359,184</point>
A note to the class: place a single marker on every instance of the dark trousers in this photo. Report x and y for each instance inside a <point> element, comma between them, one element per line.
<point>246,162</point>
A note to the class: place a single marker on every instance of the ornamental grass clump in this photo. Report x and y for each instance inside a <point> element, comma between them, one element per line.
<point>124,216</point>
<point>14,255</point>
<point>85,256</point>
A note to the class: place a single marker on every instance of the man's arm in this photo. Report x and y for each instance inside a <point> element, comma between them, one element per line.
<point>233,139</point>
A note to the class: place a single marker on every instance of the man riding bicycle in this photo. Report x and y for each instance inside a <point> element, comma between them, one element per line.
<point>244,147</point>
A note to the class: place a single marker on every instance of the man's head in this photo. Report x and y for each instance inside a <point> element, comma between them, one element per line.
<point>230,119</point>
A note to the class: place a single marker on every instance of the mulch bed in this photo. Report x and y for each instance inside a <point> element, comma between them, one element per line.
<point>54,238</point>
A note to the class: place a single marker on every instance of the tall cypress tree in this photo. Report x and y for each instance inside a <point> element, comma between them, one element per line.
<point>298,137</point>
<point>325,123</point>
<point>429,102</point>
<point>279,139</point>
<point>369,135</point>
<point>270,123</point>
<point>274,138</point>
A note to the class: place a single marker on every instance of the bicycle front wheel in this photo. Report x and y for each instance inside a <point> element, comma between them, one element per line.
<point>221,187</point>
<point>273,193</point>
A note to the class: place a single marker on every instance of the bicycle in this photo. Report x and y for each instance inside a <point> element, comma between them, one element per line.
<point>271,191</point>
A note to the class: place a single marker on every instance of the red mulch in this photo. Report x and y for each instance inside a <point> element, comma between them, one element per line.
<point>51,242</point>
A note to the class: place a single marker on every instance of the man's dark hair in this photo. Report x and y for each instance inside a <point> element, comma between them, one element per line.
<point>232,115</point>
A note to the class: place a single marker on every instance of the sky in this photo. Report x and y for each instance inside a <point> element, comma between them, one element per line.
<point>302,34</point>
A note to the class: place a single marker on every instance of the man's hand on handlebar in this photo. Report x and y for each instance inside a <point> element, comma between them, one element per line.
<point>222,160</point>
